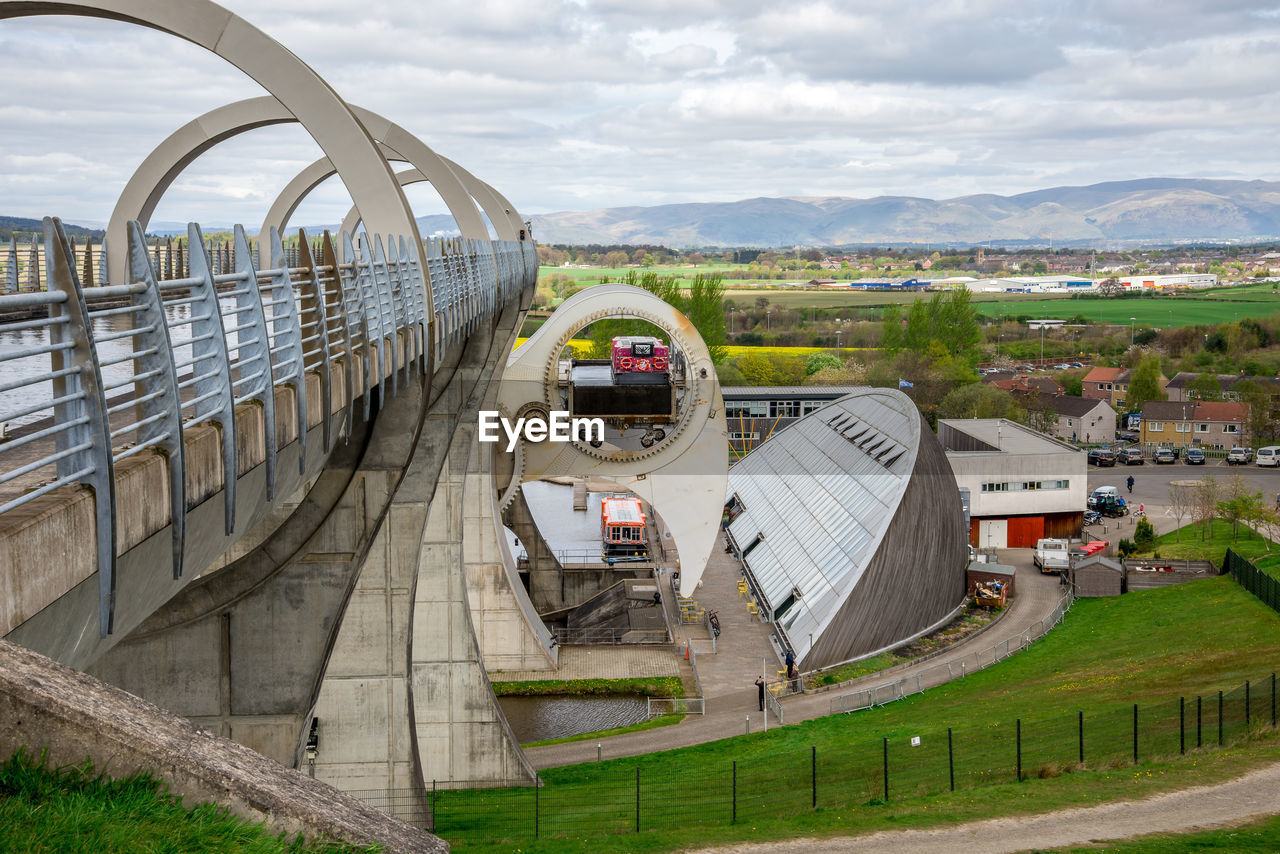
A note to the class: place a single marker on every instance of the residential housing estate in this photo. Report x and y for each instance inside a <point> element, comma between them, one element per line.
<point>1181,424</point>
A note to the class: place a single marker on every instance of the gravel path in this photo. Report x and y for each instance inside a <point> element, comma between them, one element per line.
<point>1249,798</point>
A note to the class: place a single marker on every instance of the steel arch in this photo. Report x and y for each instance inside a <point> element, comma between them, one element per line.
<point>162,166</point>
<point>297,88</point>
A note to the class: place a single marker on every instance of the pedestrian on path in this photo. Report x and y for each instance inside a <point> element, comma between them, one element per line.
<point>760,688</point>
<point>1130,483</point>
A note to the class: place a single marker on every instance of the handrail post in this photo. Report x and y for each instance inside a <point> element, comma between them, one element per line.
<point>249,309</point>
<point>94,463</point>
<point>160,416</point>
<point>288,335</point>
<point>212,361</point>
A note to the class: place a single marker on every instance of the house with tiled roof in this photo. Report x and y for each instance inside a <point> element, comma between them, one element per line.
<point>1026,385</point>
<point>1081,419</point>
<point>1097,384</point>
<point>1111,385</point>
<point>1180,424</point>
<point>1181,387</point>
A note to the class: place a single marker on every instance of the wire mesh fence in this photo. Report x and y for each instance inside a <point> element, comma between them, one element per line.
<point>642,795</point>
<point>1266,587</point>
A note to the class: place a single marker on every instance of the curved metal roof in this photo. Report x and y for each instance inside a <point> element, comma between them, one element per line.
<point>817,499</point>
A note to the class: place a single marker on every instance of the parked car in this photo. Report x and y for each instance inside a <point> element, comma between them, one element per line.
<point>1195,457</point>
<point>1238,456</point>
<point>1102,457</point>
<point>1131,456</point>
<point>1268,456</point>
<point>1164,455</point>
<point>1077,365</point>
<point>1127,435</point>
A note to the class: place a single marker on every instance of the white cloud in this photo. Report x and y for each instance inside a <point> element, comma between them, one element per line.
<point>598,103</point>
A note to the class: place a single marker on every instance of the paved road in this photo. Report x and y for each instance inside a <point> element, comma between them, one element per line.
<point>1251,797</point>
<point>728,677</point>
<point>1151,488</point>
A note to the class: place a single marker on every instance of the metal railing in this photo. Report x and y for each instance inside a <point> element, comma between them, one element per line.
<point>931,677</point>
<point>91,376</point>
<point>676,706</point>
<point>604,634</point>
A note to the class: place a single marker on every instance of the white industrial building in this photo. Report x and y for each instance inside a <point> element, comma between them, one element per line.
<point>1022,484</point>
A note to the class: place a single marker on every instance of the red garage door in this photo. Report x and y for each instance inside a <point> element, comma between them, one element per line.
<point>1024,531</point>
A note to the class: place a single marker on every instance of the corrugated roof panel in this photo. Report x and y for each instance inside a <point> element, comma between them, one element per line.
<point>823,503</point>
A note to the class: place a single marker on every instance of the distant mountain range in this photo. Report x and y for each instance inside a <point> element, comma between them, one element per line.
<point>1151,211</point>
<point>1118,213</point>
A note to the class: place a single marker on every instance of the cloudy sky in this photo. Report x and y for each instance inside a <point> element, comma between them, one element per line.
<point>580,104</point>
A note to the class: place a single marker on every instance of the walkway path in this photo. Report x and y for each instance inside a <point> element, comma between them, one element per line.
<point>728,677</point>
<point>1249,798</point>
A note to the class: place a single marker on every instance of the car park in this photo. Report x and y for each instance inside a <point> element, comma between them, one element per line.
<point>1268,456</point>
<point>1164,455</point>
<point>1194,457</point>
<point>1131,456</point>
<point>1238,456</point>
<point>1102,457</point>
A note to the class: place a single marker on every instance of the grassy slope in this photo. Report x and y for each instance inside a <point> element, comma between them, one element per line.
<point>1189,542</point>
<point>74,809</point>
<point>1147,647</point>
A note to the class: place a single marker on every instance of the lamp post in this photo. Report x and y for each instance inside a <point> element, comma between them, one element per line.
<point>838,334</point>
<point>1131,320</point>
<point>1042,345</point>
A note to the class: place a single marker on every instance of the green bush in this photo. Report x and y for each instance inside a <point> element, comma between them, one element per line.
<point>1126,548</point>
<point>1144,535</point>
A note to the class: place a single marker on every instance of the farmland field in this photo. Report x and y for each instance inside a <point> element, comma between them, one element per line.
<point>582,347</point>
<point>1220,305</point>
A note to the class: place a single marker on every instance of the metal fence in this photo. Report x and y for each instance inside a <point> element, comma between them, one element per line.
<point>931,677</point>
<point>630,796</point>
<point>1263,585</point>
<point>676,706</point>
<point>607,635</point>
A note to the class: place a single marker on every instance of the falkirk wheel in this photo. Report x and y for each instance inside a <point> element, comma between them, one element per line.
<point>681,465</point>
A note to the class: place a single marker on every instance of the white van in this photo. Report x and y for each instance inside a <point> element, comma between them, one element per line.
<point>1099,492</point>
<point>1268,456</point>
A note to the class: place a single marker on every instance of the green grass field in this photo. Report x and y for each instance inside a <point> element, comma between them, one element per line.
<point>75,809</point>
<point>1150,647</point>
<point>1200,307</point>
<point>1191,541</point>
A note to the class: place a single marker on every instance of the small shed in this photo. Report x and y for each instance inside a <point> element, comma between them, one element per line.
<point>981,573</point>
<point>1096,575</point>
